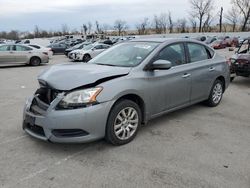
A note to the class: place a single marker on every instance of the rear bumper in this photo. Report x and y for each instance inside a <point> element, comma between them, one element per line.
<point>83,123</point>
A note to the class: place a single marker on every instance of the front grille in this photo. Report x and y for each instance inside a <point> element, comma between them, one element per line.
<point>38,107</point>
<point>46,94</point>
<point>35,129</point>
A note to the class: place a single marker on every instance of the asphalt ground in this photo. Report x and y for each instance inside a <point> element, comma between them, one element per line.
<point>194,147</point>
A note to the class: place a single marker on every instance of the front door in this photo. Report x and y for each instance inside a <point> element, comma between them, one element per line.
<point>170,88</point>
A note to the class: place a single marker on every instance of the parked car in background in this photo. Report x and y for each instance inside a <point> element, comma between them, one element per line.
<point>45,49</point>
<point>240,61</point>
<point>209,40</point>
<point>76,47</point>
<point>218,44</point>
<point>88,52</point>
<point>58,48</point>
<point>12,54</point>
<point>122,88</point>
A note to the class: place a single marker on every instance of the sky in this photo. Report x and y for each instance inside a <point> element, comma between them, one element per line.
<point>23,15</point>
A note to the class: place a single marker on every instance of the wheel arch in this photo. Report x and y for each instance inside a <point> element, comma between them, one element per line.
<point>135,98</point>
<point>222,79</point>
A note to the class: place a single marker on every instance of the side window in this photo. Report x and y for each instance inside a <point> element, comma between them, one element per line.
<point>105,46</point>
<point>197,52</point>
<point>21,48</point>
<point>98,47</point>
<point>174,53</point>
<point>4,48</point>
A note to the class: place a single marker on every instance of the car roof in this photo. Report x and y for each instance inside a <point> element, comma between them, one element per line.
<point>163,40</point>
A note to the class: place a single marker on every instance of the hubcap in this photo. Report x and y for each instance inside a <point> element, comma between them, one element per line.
<point>217,93</point>
<point>126,123</point>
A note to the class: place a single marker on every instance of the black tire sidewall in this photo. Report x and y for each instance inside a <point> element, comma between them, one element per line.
<point>34,58</point>
<point>110,133</point>
<point>86,58</point>
<point>210,101</point>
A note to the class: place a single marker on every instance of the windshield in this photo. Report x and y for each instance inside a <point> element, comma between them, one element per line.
<point>125,54</point>
<point>88,47</point>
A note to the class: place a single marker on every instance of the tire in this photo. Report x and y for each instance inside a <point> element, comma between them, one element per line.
<point>35,61</point>
<point>231,79</point>
<point>126,125</point>
<point>216,94</point>
<point>86,58</point>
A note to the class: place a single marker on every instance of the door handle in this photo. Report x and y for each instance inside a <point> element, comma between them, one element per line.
<point>186,75</point>
<point>211,69</point>
<point>11,52</point>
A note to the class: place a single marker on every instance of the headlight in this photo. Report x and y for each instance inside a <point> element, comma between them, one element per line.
<point>80,98</point>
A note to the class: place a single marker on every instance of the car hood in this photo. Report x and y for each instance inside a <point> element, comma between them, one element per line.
<point>69,76</point>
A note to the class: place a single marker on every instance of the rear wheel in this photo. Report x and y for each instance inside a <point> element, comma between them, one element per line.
<point>35,61</point>
<point>86,58</point>
<point>123,122</point>
<point>216,94</point>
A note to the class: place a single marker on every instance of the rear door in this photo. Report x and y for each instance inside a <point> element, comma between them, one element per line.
<point>22,53</point>
<point>203,71</point>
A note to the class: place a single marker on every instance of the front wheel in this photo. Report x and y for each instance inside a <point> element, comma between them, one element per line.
<point>215,94</point>
<point>123,122</point>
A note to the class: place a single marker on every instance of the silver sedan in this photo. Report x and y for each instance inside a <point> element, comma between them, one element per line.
<point>122,88</point>
<point>13,54</point>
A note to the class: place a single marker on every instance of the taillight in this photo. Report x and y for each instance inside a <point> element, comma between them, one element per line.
<point>242,61</point>
<point>50,49</point>
<point>45,53</point>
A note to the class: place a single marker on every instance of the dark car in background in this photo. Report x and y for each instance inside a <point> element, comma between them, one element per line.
<point>240,61</point>
<point>58,48</point>
<point>218,44</point>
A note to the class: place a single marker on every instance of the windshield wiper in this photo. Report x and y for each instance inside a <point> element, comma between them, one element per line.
<point>106,64</point>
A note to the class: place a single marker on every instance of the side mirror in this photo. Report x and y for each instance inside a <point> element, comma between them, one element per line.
<point>161,65</point>
<point>92,49</point>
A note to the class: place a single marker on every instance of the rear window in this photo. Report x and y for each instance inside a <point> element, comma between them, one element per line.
<point>198,52</point>
<point>35,46</point>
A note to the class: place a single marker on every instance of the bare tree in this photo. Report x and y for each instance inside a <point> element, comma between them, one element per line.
<point>200,9</point>
<point>120,26</point>
<point>163,19</point>
<point>193,24</point>
<point>65,29</point>
<point>89,27</point>
<point>36,31</point>
<point>244,8</point>
<point>170,22</point>
<point>98,27</point>
<point>207,23</point>
<point>142,26</point>
<point>221,16</point>
<point>232,16</point>
<point>181,25</point>
<point>156,23</point>
<point>85,29</point>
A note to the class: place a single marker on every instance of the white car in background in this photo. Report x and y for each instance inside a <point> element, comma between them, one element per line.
<point>15,54</point>
<point>45,49</point>
<point>88,52</point>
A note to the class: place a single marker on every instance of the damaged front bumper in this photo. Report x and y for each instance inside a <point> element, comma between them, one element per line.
<point>44,122</point>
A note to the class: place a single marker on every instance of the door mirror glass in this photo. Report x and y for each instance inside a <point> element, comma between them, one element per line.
<point>161,65</point>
